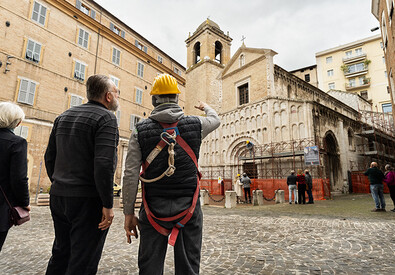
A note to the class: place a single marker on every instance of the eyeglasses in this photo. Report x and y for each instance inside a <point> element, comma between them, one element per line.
<point>118,91</point>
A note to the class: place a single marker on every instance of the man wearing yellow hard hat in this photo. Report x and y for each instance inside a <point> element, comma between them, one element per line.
<point>166,149</point>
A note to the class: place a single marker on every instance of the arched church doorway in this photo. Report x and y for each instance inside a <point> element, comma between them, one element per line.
<point>332,161</point>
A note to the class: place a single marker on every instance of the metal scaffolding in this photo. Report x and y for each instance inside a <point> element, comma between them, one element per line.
<point>377,140</point>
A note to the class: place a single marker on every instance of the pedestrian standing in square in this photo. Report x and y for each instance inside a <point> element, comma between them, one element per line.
<point>376,186</point>
<point>389,179</point>
<point>81,159</point>
<point>291,182</point>
<point>246,181</point>
<point>309,186</point>
<point>301,179</point>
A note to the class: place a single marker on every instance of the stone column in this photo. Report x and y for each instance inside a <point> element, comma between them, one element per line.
<point>257,196</point>
<point>230,199</point>
<point>280,196</point>
<point>204,199</point>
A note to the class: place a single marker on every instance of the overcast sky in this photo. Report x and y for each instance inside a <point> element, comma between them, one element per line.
<point>295,29</point>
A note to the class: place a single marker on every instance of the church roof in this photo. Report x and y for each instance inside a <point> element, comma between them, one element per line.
<point>208,22</point>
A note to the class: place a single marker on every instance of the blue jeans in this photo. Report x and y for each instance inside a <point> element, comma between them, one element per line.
<point>292,187</point>
<point>378,195</point>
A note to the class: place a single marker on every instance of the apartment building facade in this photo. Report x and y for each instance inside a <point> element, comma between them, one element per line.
<point>358,67</point>
<point>49,48</point>
<point>383,10</point>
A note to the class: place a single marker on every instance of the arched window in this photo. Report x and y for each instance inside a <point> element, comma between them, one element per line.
<point>242,60</point>
<point>196,48</point>
<point>218,52</point>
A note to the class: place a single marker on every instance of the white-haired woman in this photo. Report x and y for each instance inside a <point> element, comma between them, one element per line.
<point>13,165</point>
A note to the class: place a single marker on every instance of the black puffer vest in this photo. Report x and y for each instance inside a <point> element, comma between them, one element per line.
<point>183,182</point>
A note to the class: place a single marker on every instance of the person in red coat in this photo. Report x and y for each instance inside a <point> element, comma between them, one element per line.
<point>301,180</point>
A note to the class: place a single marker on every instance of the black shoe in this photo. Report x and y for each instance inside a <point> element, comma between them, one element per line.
<point>297,203</point>
<point>393,210</point>
<point>375,210</point>
<point>290,202</point>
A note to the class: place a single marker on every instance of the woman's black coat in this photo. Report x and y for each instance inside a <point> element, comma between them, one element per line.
<point>13,174</point>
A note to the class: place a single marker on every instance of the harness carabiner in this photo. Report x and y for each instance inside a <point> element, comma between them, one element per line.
<point>167,138</point>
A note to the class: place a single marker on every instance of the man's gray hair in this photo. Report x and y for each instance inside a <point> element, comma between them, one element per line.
<point>10,115</point>
<point>97,85</point>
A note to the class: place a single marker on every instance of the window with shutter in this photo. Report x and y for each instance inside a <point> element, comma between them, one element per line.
<point>116,56</point>
<point>115,80</point>
<point>83,38</point>
<point>75,100</point>
<point>133,121</point>
<point>139,96</point>
<point>140,69</point>
<point>33,51</point>
<point>39,13</point>
<point>79,71</point>
<point>93,14</point>
<point>118,116</point>
<point>78,4</point>
<point>27,91</point>
<point>22,131</point>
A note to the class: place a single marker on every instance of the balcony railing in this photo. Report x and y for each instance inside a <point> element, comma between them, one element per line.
<point>353,58</point>
<point>356,71</point>
<point>350,87</point>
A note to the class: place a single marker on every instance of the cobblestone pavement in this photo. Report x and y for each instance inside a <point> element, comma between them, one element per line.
<point>235,242</point>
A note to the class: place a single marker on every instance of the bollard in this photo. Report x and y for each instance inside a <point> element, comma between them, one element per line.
<point>257,197</point>
<point>280,196</point>
<point>230,199</point>
<point>204,200</point>
<point>43,199</point>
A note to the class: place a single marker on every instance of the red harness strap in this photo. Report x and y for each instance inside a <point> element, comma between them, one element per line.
<point>187,214</point>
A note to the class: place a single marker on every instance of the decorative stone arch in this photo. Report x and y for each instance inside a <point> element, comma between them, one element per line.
<point>332,163</point>
<point>237,147</point>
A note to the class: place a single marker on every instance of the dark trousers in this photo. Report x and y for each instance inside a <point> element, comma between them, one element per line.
<point>3,235</point>
<point>187,249</point>
<point>301,193</point>
<point>78,242</point>
<point>392,193</point>
<point>310,194</point>
<point>247,191</point>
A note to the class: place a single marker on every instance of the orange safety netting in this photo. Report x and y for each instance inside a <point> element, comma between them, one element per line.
<point>321,187</point>
<point>360,183</point>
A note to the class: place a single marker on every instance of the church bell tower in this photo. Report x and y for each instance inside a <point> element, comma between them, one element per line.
<point>208,51</point>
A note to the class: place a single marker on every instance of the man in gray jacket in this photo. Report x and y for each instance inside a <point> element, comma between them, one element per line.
<point>170,212</point>
<point>246,185</point>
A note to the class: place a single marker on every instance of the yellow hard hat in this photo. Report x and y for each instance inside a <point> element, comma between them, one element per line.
<point>247,141</point>
<point>238,175</point>
<point>164,84</point>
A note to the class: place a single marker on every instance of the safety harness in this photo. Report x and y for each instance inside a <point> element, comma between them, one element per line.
<point>169,137</point>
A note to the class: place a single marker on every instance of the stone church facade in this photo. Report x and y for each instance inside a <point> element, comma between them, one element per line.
<point>278,112</point>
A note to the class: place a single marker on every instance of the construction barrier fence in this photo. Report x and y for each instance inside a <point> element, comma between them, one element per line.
<point>321,187</point>
<point>360,183</point>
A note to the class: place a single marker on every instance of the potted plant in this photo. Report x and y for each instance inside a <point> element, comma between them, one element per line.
<point>344,68</point>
